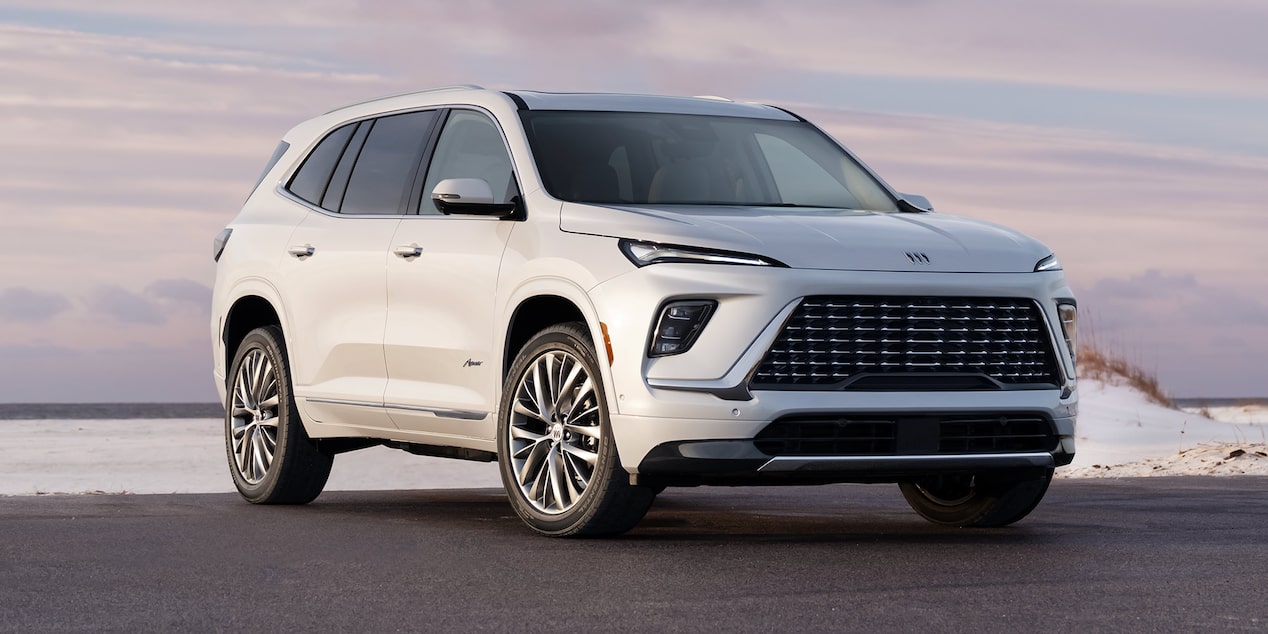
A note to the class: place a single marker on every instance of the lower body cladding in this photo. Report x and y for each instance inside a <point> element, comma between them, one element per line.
<point>863,448</point>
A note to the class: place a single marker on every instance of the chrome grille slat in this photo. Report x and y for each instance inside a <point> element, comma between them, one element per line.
<point>829,339</point>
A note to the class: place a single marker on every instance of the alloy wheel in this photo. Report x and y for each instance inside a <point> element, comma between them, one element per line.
<point>555,432</point>
<point>253,421</point>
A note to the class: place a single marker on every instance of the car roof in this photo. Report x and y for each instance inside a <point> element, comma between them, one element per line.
<point>618,102</point>
<point>603,102</point>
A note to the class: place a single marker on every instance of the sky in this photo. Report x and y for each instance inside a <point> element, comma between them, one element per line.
<point>1131,136</point>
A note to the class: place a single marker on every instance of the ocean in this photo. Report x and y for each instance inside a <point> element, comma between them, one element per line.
<point>113,411</point>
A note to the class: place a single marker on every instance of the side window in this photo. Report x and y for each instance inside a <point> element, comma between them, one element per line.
<point>387,164</point>
<point>310,181</point>
<point>470,146</point>
<point>333,199</point>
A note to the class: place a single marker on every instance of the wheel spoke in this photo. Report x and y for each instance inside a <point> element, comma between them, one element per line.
<point>270,403</point>
<point>576,371</point>
<point>258,464</point>
<point>585,391</point>
<point>534,456</point>
<point>241,439</point>
<point>584,414</point>
<point>242,393</point>
<point>263,378</point>
<point>571,475</point>
<point>554,462</point>
<point>523,410</point>
<point>543,407</point>
<point>519,433</point>
<point>591,431</point>
<point>589,457</point>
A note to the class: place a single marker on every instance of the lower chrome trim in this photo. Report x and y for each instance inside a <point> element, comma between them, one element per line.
<point>883,463</point>
<point>442,413</point>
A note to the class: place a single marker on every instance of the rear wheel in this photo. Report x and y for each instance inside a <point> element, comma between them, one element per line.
<point>979,500</point>
<point>271,458</point>
<point>556,453</point>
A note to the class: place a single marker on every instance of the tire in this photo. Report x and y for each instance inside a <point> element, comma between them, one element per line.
<point>559,465</point>
<point>271,458</point>
<point>980,500</point>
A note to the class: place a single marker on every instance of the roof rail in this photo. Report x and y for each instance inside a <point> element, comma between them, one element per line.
<point>411,92</point>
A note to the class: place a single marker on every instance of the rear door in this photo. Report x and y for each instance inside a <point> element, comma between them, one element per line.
<point>441,281</point>
<point>334,284</point>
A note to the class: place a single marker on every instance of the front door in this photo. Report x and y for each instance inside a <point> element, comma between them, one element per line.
<point>442,279</point>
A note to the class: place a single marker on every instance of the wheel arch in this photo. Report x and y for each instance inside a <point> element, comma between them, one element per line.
<point>533,314</point>
<point>247,313</point>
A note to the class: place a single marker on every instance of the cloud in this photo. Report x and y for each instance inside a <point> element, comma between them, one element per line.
<point>1203,338</point>
<point>125,306</point>
<point>1154,297</point>
<point>181,291</point>
<point>26,305</point>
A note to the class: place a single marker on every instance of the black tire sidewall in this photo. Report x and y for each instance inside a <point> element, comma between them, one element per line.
<point>565,339</point>
<point>997,499</point>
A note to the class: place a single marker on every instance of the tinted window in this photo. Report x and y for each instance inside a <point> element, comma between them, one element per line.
<point>661,158</point>
<point>470,147</point>
<point>339,181</point>
<point>387,163</point>
<point>799,179</point>
<point>310,181</point>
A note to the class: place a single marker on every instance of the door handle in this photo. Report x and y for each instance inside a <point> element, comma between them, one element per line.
<point>301,250</point>
<point>408,251</point>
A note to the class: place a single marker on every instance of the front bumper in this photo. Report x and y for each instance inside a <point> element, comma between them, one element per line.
<point>693,416</point>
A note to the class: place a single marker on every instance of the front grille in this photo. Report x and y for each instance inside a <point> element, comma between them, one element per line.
<point>905,435</point>
<point>832,341</point>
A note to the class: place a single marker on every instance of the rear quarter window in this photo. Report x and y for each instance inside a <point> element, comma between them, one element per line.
<point>309,183</point>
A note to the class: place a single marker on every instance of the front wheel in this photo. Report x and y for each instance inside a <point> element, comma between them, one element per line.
<point>978,500</point>
<point>556,453</point>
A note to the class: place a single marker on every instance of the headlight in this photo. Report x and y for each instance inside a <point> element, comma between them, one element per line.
<point>644,253</point>
<point>1070,327</point>
<point>679,324</point>
<point>1050,263</point>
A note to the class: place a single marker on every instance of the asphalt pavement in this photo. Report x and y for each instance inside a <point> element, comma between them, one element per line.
<point>1157,554</point>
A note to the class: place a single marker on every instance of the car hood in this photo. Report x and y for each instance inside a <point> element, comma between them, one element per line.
<point>832,239</point>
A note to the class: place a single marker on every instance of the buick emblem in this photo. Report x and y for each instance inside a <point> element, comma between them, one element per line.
<point>917,257</point>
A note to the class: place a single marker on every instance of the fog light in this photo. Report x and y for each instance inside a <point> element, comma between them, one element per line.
<point>679,325</point>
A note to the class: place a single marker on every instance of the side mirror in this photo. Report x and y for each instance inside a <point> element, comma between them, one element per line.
<point>918,202</point>
<point>468,196</point>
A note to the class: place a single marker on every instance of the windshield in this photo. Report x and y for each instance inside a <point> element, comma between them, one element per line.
<point>654,158</point>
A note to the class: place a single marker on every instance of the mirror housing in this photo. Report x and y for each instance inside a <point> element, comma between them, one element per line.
<point>469,196</point>
<point>916,202</point>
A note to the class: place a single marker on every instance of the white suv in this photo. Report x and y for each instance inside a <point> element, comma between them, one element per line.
<point>611,294</point>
